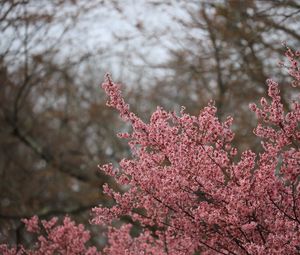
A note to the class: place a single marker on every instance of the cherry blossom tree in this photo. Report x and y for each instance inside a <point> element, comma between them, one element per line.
<point>188,189</point>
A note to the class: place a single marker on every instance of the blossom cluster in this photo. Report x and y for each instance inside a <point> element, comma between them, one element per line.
<point>67,238</point>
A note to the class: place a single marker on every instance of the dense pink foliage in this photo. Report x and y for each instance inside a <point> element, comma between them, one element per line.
<point>198,194</point>
<point>66,239</point>
<point>185,180</point>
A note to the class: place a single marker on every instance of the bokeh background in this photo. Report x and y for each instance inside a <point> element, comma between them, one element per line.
<point>54,126</point>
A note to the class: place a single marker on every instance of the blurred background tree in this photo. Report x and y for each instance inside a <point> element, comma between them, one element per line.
<point>224,52</point>
<point>54,126</point>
